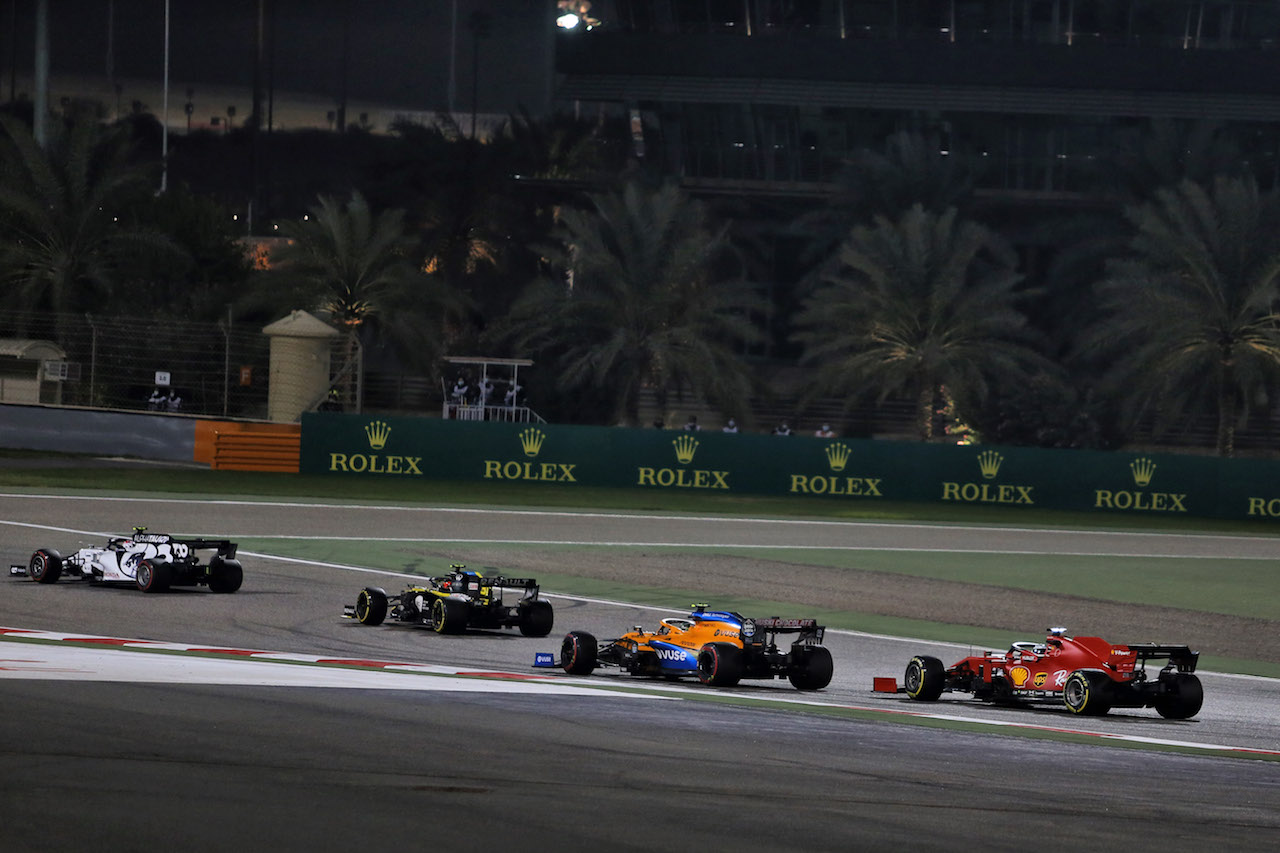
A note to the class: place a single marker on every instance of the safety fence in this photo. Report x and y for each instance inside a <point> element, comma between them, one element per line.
<point>208,369</point>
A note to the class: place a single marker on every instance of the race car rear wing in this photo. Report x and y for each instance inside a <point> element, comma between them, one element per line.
<point>809,630</point>
<point>510,583</point>
<point>1180,657</point>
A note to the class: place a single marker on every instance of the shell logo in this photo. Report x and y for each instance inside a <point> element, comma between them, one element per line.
<point>1019,675</point>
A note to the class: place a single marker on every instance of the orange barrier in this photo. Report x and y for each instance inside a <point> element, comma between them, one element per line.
<point>235,446</point>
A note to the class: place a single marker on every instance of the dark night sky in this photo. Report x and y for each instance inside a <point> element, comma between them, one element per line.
<point>399,49</point>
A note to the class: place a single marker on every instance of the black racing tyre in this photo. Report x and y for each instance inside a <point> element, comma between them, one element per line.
<point>225,575</point>
<point>720,664</point>
<point>925,678</point>
<point>45,566</point>
<point>536,618</point>
<point>578,653</point>
<point>1087,692</point>
<point>1184,697</point>
<point>153,576</point>
<point>371,605</point>
<point>813,669</point>
<point>449,616</point>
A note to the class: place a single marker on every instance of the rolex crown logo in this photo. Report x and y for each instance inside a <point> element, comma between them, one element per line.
<point>1142,469</point>
<point>686,446</point>
<point>531,441</point>
<point>377,432</point>
<point>837,456</point>
<point>989,463</point>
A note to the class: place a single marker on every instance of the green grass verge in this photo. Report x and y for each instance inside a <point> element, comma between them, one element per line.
<point>190,482</point>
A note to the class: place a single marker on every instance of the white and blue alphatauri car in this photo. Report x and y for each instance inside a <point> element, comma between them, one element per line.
<point>153,562</point>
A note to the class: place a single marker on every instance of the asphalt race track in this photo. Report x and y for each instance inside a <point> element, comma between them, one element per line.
<point>171,757</point>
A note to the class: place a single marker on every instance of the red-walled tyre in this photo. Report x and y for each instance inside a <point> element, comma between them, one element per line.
<point>720,664</point>
<point>153,576</point>
<point>45,566</point>
<point>578,653</point>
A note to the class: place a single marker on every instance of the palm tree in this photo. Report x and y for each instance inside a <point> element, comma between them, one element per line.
<point>61,214</point>
<point>913,168</point>
<point>643,296</point>
<point>1191,320</point>
<point>356,268</point>
<point>925,305</point>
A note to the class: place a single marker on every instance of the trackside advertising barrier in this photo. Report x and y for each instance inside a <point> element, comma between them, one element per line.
<point>861,470</point>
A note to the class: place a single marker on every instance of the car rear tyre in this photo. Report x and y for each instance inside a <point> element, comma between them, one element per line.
<point>578,653</point>
<point>153,576</point>
<point>45,566</point>
<point>1183,699</point>
<point>449,616</point>
<point>1087,693</point>
<point>813,670</point>
<point>225,575</point>
<point>720,665</point>
<point>371,606</point>
<point>925,678</point>
<point>537,618</point>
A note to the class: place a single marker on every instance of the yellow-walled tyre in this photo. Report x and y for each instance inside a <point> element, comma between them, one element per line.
<point>448,616</point>
<point>1087,693</point>
<point>925,678</point>
<point>371,606</point>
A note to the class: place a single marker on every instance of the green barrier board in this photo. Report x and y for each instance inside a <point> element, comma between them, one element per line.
<point>838,469</point>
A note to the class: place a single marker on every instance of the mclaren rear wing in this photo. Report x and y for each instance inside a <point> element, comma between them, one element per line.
<point>808,629</point>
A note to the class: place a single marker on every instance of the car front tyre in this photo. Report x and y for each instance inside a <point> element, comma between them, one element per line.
<point>45,566</point>
<point>153,576</point>
<point>449,616</point>
<point>371,605</point>
<point>925,678</point>
<point>578,653</point>
<point>720,665</point>
<point>1087,693</point>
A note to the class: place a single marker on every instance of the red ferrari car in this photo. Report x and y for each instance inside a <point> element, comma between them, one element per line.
<point>1087,674</point>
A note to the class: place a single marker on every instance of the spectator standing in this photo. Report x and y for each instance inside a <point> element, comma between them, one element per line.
<point>174,402</point>
<point>157,400</point>
<point>459,392</point>
<point>691,425</point>
<point>782,429</point>
<point>731,426</point>
<point>824,431</point>
<point>512,398</point>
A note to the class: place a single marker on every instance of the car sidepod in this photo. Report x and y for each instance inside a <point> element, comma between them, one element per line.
<point>674,659</point>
